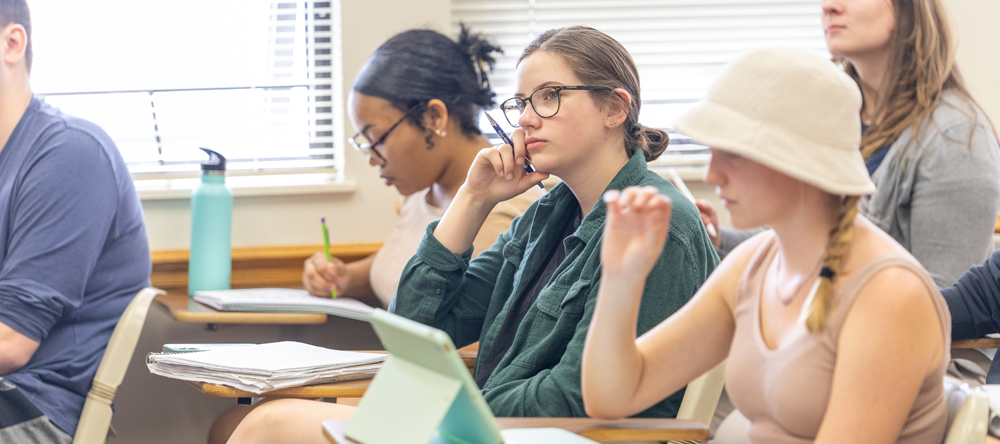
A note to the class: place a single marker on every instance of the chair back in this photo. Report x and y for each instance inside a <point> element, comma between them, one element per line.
<point>702,395</point>
<point>968,417</point>
<point>970,424</point>
<point>96,417</point>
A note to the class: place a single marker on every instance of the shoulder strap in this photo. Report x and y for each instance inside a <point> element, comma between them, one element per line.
<point>750,282</point>
<point>848,293</point>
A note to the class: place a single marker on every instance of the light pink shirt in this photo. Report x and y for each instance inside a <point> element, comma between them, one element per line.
<point>414,216</point>
<point>784,392</point>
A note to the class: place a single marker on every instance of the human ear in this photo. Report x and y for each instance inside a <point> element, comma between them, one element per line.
<point>436,117</point>
<point>617,108</point>
<point>15,40</point>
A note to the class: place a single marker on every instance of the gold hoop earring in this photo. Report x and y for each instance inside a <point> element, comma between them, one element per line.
<point>440,132</point>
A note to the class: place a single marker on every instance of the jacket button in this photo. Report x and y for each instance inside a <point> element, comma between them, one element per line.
<point>438,291</point>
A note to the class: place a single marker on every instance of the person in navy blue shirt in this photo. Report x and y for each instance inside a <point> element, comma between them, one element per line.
<point>974,302</point>
<point>73,249</point>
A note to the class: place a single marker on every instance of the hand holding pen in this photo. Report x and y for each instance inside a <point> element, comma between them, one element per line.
<point>323,274</point>
<point>503,136</point>
<point>500,172</point>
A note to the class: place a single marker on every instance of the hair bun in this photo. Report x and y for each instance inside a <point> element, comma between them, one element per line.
<point>481,51</point>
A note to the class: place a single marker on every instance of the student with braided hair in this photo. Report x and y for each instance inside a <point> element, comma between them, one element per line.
<point>821,317</point>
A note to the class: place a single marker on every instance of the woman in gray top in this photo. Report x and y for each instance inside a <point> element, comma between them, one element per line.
<point>931,151</point>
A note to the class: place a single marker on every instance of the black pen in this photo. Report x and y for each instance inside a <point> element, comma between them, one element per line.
<point>503,135</point>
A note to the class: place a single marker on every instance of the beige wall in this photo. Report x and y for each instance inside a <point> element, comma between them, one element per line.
<point>978,39</point>
<point>366,215</point>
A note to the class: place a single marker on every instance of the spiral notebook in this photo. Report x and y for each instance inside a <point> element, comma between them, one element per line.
<point>266,367</point>
<point>282,300</point>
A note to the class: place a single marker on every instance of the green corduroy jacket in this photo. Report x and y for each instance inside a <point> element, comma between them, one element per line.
<point>540,374</point>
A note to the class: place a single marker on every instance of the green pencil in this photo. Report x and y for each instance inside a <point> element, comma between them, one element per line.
<point>326,243</point>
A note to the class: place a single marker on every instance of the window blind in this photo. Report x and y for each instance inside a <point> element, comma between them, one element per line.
<point>256,80</point>
<point>679,46</point>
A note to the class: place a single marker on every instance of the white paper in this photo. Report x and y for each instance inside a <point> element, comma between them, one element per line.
<point>282,300</point>
<point>265,367</point>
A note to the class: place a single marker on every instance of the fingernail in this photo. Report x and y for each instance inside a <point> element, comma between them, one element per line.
<point>510,176</point>
<point>520,161</point>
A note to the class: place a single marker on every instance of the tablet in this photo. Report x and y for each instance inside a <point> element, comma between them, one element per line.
<point>422,388</point>
<point>425,394</point>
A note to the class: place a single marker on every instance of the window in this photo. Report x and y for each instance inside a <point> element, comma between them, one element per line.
<point>679,46</point>
<point>256,80</point>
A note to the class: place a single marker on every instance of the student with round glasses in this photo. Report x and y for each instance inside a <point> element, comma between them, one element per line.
<point>416,105</point>
<point>529,298</point>
<point>544,101</point>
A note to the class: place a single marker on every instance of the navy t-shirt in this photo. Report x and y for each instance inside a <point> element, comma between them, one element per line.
<point>73,253</point>
<point>873,162</point>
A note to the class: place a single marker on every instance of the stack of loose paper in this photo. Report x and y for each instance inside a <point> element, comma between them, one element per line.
<point>282,300</point>
<point>266,367</point>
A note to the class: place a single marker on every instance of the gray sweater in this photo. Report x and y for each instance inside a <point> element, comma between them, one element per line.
<point>937,194</point>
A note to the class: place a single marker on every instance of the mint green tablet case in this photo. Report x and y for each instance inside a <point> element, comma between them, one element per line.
<point>422,388</point>
<point>424,394</point>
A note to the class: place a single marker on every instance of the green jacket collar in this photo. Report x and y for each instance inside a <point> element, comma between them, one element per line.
<point>556,201</point>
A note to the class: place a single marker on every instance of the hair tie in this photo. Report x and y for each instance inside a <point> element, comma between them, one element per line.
<point>484,79</point>
<point>827,272</point>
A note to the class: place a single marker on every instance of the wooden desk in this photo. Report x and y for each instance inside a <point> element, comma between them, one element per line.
<point>976,343</point>
<point>183,309</point>
<point>629,429</point>
<point>346,389</point>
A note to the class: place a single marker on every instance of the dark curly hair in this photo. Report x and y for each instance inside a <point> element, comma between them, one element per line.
<point>416,66</point>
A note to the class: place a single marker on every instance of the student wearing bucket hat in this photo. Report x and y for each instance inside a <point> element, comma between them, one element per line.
<point>821,317</point>
<point>930,150</point>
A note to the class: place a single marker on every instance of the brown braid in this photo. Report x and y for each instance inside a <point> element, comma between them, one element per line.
<point>836,247</point>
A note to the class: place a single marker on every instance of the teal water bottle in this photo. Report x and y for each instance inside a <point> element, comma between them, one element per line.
<point>210,263</point>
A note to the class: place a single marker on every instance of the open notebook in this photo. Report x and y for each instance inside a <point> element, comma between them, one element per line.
<point>282,300</point>
<point>266,367</point>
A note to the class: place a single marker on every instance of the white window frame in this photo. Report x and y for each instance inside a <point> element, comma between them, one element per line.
<point>656,32</point>
<point>166,180</point>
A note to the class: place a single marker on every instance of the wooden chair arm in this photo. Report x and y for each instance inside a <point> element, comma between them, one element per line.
<point>976,343</point>
<point>650,429</point>
<point>468,357</point>
<point>628,429</point>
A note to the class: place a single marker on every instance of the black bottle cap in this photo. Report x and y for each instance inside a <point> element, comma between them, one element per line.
<point>216,161</point>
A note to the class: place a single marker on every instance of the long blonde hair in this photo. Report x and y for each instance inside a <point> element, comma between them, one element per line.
<point>921,67</point>
<point>836,248</point>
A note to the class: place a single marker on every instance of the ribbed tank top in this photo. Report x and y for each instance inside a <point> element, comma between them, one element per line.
<point>784,392</point>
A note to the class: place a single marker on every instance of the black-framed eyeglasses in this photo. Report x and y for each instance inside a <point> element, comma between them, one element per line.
<point>366,147</point>
<point>545,101</point>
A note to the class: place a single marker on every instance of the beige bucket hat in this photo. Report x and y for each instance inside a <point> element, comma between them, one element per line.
<point>791,110</point>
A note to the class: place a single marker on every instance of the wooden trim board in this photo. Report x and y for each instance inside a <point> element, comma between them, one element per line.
<point>277,266</point>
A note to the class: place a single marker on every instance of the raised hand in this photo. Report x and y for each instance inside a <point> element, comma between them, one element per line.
<point>498,174</point>
<point>634,232</point>
<point>319,277</point>
<point>710,218</point>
